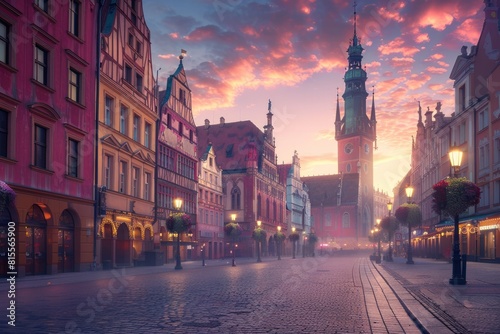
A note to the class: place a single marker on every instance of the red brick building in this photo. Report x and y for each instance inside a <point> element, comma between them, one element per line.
<point>249,176</point>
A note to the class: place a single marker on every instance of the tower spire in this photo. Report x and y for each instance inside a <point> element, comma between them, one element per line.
<point>355,38</point>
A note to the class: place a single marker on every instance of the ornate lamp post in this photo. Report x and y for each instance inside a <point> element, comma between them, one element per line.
<point>233,220</point>
<point>294,236</point>
<point>409,258</point>
<point>455,156</point>
<point>378,231</point>
<point>178,223</point>
<point>389,208</point>
<point>278,237</point>
<point>259,235</point>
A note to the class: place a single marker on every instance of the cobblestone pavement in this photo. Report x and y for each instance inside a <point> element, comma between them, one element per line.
<point>338,294</point>
<point>471,308</point>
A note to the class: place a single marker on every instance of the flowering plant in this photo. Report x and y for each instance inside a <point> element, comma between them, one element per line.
<point>179,222</point>
<point>389,224</point>
<point>455,195</point>
<point>294,236</point>
<point>279,236</point>
<point>7,195</point>
<point>409,214</point>
<point>233,230</point>
<point>259,234</point>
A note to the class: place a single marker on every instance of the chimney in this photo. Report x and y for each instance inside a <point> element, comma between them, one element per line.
<point>222,121</point>
<point>207,123</point>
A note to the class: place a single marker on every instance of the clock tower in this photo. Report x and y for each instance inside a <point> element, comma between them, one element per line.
<point>356,134</point>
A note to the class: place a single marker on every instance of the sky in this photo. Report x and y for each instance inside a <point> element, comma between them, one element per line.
<point>241,53</point>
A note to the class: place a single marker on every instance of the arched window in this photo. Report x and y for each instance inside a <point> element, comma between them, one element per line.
<point>275,212</point>
<point>235,199</point>
<point>346,220</point>
<point>259,206</point>
<point>268,208</point>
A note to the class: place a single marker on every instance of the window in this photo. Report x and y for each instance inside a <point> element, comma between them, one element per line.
<point>496,192</point>
<point>108,110</point>
<point>4,42</point>
<point>136,128</point>
<point>346,223</point>
<point>131,40</point>
<point>461,98</point>
<point>235,199</point>
<point>4,132</point>
<point>133,4</point>
<point>182,96</point>
<point>461,133</point>
<point>74,17</point>
<point>210,162</point>
<point>484,154</point>
<point>123,119</point>
<point>138,82</point>
<point>128,74</point>
<point>108,170</point>
<point>169,121</point>
<point>73,158</point>
<point>40,144</point>
<point>147,181</point>
<point>135,181</point>
<point>268,209</point>
<point>483,119</point>
<point>41,65</point>
<point>43,5</point>
<point>191,136</point>
<point>181,128</point>
<point>496,155</point>
<point>147,135</point>
<point>485,195</point>
<point>134,19</point>
<point>138,47</point>
<point>123,177</point>
<point>75,85</point>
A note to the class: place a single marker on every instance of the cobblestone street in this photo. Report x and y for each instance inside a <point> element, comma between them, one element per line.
<point>336,294</point>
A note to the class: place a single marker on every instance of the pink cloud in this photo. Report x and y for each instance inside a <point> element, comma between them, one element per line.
<point>397,46</point>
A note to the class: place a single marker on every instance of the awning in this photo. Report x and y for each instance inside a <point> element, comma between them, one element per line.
<point>450,223</point>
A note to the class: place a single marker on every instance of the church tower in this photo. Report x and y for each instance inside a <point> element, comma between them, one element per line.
<point>356,134</point>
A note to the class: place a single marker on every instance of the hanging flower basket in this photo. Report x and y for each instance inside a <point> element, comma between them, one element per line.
<point>259,234</point>
<point>179,222</point>
<point>294,236</point>
<point>279,236</point>
<point>7,195</point>
<point>233,230</point>
<point>389,224</point>
<point>409,214</point>
<point>454,195</point>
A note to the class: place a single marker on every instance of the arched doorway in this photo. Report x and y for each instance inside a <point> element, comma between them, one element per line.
<point>123,246</point>
<point>148,240</point>
<point>36,244</point>
<point>66,243</point>
<point>5,218</point>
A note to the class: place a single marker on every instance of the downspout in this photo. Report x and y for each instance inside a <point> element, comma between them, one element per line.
<point>96,128</point>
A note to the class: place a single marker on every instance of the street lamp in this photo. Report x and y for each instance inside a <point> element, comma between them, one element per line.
<point>455,161</point>
<point>259,223</point>
<point>293,243</point>
<point>409,258</point>
<point>177,206</point>
<point>278,239</point>
<point>233,219</point>
<point>304,244</point>
<point>378,230</point>
<point>389,208</point>
<point>455,156</point>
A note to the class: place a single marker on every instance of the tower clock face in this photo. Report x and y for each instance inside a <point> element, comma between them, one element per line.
<point>348,148</point>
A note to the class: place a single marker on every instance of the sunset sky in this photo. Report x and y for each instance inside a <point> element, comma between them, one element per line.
<point>241,53</point>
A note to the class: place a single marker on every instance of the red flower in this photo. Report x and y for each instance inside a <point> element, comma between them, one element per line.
<point>454,196</point>
<point>179,222</point>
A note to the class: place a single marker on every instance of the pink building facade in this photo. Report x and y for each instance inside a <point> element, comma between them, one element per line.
<point>47,113</point>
